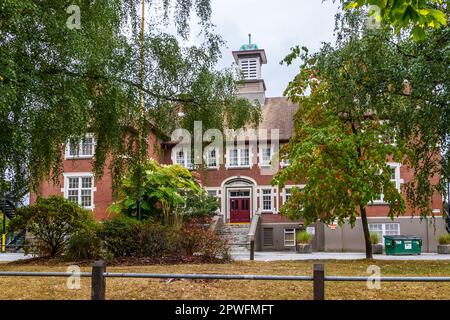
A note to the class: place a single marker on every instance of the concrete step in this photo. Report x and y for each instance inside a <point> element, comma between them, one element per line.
<point>236,235</point>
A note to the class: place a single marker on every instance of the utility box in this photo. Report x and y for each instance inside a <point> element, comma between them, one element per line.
<point>402,245</point>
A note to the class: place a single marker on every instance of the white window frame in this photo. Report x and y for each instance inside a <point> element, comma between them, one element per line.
<point>261,197</point>
<point>185,163</point>
<point>212,193</point>
<point>381,137</point>
<point>80,149</point>
<point>285,194</point>
<point>265,162</point>
<point>397,181</point>
<point>290,231</point>
<point>208,158</point>
<point>79,175</point>
<point>285,163</point>
<point>239,157</point>
<point>383,230</point>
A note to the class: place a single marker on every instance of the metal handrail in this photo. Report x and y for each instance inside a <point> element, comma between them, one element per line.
<point>219,276</point>
<point>99,275</point>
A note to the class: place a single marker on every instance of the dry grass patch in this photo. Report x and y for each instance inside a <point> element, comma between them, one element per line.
<point>55,288</point>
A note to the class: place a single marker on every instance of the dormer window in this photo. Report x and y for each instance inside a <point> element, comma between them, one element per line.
<point>250,68</point>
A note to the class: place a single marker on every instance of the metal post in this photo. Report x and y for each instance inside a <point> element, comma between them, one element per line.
<point>319,282</point>
<point>4,217</point>
<point>252,250</point>
<point>98,284</point>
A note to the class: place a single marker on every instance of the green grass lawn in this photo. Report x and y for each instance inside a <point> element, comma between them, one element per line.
<point>55,288</point>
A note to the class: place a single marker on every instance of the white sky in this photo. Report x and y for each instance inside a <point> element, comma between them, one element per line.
<point>276,26</point>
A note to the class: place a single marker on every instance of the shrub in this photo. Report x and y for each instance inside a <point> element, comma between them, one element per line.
<point>444,239</point>
<point>374,239</point>
<point>200,205</point>
<point>126,237</point>
<point>201,241</point>
<point>52,222</point>
<point>303,237</point>
<point>117,236</point>
<point>85,244</point>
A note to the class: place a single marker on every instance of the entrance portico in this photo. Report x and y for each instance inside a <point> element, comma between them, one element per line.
<point>239,201</point>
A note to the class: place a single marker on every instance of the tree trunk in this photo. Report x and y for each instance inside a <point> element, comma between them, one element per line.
<point>366,232</point>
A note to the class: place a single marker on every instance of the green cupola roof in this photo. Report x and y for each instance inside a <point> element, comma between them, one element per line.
<point>249,45</point>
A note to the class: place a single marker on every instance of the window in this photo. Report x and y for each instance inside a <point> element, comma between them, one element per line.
<point>268,237</point>
<point>238,157</point>
<point>80,189</point>
<point>395,179</point>
<point>181,158</point>
<point>239,193</point>
<point>211,158</point>
<point>285,162</point>
<point>287,194</point>
<point>212,193</point>
<point>83,148</point>
<point>266,156</point>
<point>266,198</point>
<point>289,237</point>
<point>384,229</point>
<point>250,68</point>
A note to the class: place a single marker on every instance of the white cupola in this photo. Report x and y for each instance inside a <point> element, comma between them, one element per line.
<point>249,59</point>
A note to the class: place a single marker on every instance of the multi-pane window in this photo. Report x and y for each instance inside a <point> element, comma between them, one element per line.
<point>239,193</point>
<point>287,194</point>
<point>211,158</point>
<point>266,199</point>
<point>179,158</point>
<point>212,193</point>
<point>384,229</point>
<point>80,190</point>
<point>83,148</point>
<point>395,179</point>
<point>266,156</point>
<point>182,158</point>
<point>289,237</point>
<point>238,157</point>
<point>250,68</point>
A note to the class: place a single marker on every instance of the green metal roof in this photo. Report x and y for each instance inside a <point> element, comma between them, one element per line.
<point>247,46</point>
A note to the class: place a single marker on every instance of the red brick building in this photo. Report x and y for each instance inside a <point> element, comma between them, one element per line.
<point>239,180</point>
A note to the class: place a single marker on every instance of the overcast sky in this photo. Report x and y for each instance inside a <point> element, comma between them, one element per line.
<point>276,26</point>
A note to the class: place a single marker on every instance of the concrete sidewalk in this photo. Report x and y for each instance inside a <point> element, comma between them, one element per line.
<point>9,257</point>
<point>292,256</point>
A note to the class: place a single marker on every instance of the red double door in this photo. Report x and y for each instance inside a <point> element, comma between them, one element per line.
<point>239,209</point>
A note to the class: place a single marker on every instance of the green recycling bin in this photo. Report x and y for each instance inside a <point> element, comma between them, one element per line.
<point>402,245</point>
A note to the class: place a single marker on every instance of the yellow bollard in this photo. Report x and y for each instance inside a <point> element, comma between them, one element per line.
<point>3,243</point>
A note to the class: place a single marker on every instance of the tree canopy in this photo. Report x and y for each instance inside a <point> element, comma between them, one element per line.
<point>416,16</point>
<point>371,98</point>
<point>58,82</point>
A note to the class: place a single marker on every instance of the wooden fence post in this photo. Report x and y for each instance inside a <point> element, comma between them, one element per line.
<point>319,282</point>
<point>252,250</point>
<point>98,281</point>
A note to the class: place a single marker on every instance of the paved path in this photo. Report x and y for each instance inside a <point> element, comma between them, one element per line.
<point>8,257</point>
<point>292,256</point>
